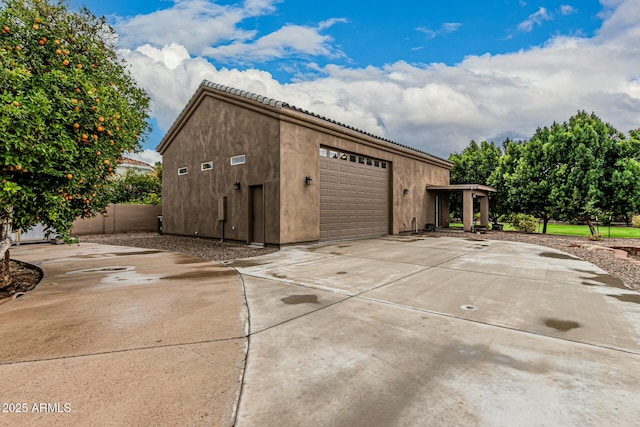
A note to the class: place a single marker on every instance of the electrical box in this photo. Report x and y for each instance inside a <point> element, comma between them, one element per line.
<point>222,208</point>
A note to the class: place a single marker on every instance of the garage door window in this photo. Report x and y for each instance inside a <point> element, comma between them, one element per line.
<point>323,152</point>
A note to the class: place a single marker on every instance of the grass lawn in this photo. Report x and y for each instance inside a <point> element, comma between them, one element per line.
<point>583,230</point>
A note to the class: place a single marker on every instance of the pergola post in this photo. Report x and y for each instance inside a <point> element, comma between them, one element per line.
<point>467,210</point>
<point>484,210</point>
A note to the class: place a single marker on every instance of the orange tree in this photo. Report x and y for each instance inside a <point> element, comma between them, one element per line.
<point>70,109</point>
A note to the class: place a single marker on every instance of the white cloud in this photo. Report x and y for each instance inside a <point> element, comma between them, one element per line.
<point>566,9</point>
<point>150,157</point>
<point>435,107</point>
<point>445,28</point>
<point>290,40</point>
<point>215,31</point>
<point>535,19</point>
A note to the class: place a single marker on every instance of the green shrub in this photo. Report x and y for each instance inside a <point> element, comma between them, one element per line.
<point>523,222</point>
<point>635,221</point>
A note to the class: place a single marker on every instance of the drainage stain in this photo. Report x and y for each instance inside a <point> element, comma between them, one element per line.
<point>189,260</point>
<point>280,276</point>
<point>604,279</point>
<point>635,298</point>
<point>149,252</point>
<point>246,263</point>
<point>300,299</point>
<point>193,275</point>
<point>561,325</point>
<point>556,255</point>
<point>341,272</point>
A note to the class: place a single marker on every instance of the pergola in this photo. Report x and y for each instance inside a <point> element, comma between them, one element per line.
<point>469,193</point>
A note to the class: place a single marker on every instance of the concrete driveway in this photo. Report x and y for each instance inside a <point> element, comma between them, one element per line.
<point>437,331</point>
<point>117,336</point>
<point>391,331</point>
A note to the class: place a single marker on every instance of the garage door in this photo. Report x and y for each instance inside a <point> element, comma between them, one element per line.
<point>354,195</point>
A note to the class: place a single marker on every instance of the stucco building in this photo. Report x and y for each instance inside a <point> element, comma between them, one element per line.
<point>249,168</point>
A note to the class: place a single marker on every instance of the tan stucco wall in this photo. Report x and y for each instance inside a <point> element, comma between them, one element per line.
<point>120,219</point>
<point>300,203</point>
<point>214,131</point>
<point>301,141</point>
<point>414,175</point>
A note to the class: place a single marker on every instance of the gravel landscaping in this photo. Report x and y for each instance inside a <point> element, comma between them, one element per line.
<point>599,252</point>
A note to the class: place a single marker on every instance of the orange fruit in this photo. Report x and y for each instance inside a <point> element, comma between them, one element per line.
<point>101,119</point>
<point>98,153</point>
<point>18,48</point>
<point>76,125</point>
<point>6,29</point>
<point>100,128</point>
<point>69,176</point>
<point>106,162</point>
<point>78,90</point>
<point>79,65</point>
<point>85,136</point>
<point>65,62</point>
<point>58,52</point>
<point>77,108</point>
<point>66,52</point>
<point>56,41</point>
<point>38,20</point>
<point>18,167</point>
<point>35,27</point>
<point>16,103</point>
<point>11,168</point>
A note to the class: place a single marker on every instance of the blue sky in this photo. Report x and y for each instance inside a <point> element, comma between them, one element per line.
<point>429,74</point>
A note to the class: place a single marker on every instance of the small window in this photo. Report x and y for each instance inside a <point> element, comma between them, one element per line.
<point>369,162</point>
<point>333,154</point>
<point>352,158</point>
<point>376,163</point>
<point>343,156</point>
<point>323,152</point>
<point>206,166</point>
<point>182,171</point>
<point>361,160</point>
<point>384,165</point>
<point>238,160</point>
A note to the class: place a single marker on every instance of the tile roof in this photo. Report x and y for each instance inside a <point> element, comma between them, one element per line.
<point>280,104</point>
<point>129,161</point>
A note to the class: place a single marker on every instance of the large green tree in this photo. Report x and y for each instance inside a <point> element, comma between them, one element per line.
<point>138,187</point>
<point>69,110</point>
<point>625,185</point>
<point>474,165</point>
<point>521,179</point>
<point>575,170</point>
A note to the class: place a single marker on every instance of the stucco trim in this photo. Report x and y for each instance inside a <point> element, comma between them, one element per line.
<point>462,187</point>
